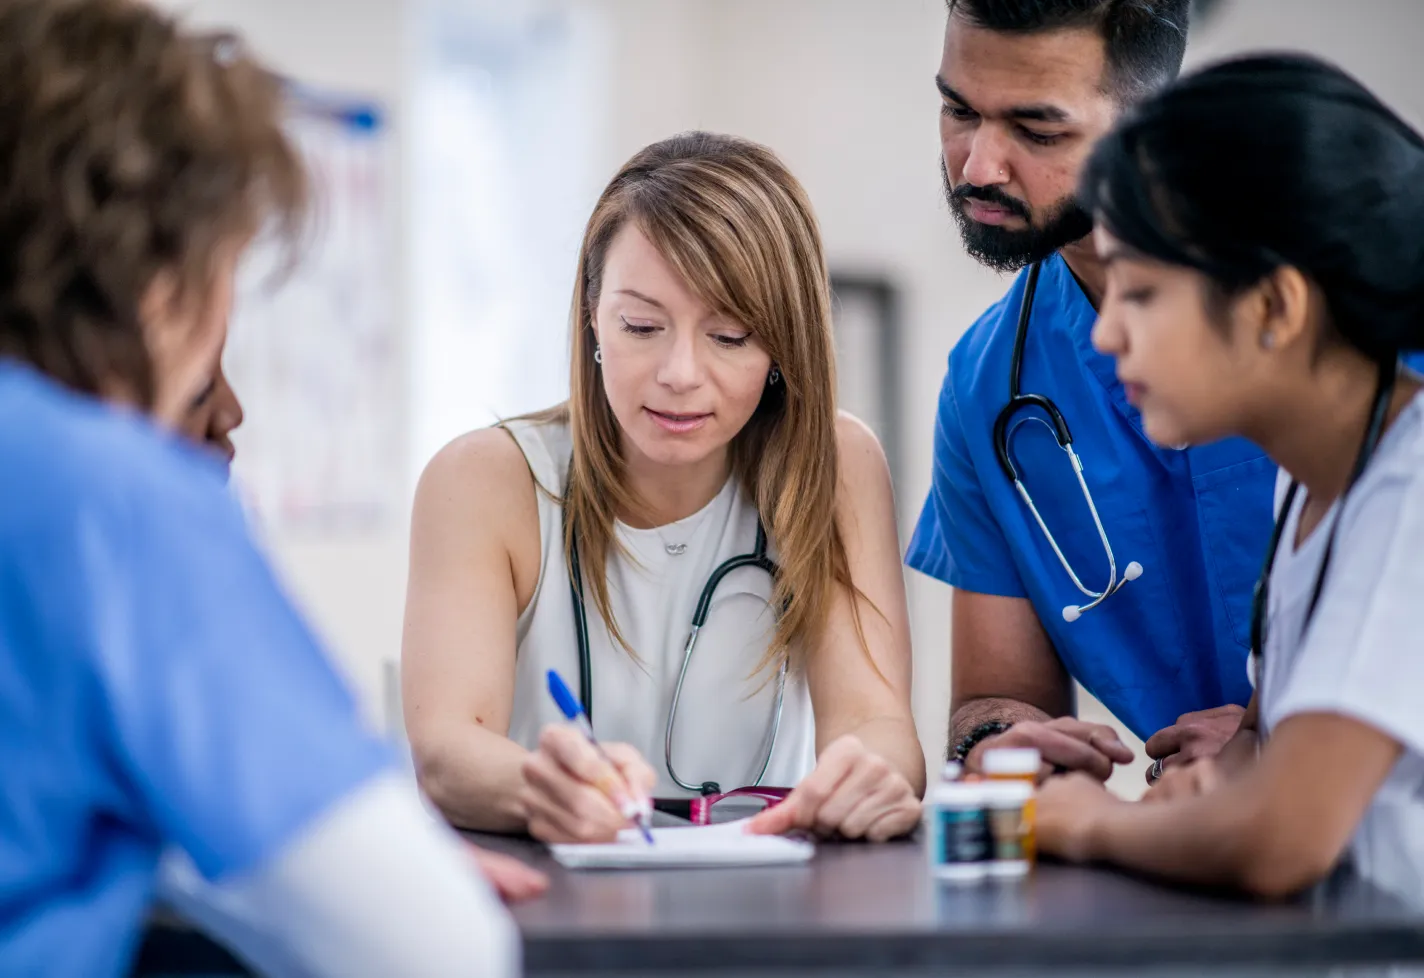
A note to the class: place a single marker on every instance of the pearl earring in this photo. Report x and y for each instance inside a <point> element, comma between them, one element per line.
<point>1268,341</point>
<point>597,353</point>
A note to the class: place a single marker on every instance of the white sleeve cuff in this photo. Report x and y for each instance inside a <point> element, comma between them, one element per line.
<point>376,887</point>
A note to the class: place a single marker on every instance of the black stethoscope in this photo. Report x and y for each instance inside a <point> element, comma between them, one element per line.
<point>1384,393</point>
<point>756,559</point>
<point>1004,428</point>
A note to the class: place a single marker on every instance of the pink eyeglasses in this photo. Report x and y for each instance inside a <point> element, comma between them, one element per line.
<point>725,806</point>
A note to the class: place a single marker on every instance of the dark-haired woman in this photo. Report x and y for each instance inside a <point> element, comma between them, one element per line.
<point>1263,223</point>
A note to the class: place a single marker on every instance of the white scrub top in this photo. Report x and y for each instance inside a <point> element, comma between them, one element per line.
<point>1363,655</point>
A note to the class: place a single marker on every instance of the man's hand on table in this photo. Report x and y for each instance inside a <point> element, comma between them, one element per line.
<point>1065,743</point>
<point>1193,737</point>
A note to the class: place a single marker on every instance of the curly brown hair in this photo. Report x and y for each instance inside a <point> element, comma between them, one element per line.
<point>128,147</point>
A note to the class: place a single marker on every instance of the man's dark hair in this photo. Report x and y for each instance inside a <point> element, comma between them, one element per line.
<point>1144,40</point>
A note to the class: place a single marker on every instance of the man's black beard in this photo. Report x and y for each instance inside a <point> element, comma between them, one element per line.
<point>1006,250</point>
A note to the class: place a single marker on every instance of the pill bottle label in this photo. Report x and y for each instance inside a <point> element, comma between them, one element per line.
<point>1006,826</point>
<point>964,835</point>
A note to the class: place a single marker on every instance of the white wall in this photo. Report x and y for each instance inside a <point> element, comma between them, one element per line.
<point>1375,40</point>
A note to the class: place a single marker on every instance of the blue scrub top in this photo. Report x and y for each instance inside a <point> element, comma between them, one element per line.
<point>156,686</point>
<point>1175,639</point>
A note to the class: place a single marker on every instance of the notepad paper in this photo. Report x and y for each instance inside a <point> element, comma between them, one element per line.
<point>682,847</point>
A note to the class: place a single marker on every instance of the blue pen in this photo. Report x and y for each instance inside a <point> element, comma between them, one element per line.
<point>639,815</point>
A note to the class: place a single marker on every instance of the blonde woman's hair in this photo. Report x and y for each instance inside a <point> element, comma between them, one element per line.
<point>739,230</point>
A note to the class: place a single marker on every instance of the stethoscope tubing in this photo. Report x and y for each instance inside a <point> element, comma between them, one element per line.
<point>757,559</point>
<point>1374,430</point>
<point>1006,423</point>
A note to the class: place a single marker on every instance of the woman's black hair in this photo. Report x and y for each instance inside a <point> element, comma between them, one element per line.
<point>1269,161</point>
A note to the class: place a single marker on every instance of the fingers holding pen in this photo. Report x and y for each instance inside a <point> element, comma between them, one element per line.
<point>573,794</point>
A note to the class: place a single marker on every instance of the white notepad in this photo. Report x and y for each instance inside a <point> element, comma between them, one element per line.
<point>727,844</point>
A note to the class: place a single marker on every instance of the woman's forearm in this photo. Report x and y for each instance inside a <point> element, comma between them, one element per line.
<point>1239,754</point>
<point>1272,830</point>
<point>474,777</point>
<point>1220,838</point>
<point>896,740</point>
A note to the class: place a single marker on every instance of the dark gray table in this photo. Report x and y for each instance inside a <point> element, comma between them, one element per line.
<point>874,910</point>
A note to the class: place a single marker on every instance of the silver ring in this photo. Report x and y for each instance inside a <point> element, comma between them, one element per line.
<point>1155,772</point>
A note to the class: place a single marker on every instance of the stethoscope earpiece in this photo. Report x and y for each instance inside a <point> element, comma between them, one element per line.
<point>1075,611</point>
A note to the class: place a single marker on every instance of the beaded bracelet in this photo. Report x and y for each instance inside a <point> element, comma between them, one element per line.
<point>981,732</point>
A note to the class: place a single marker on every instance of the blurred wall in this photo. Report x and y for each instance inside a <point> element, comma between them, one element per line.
<point>1375,40</point>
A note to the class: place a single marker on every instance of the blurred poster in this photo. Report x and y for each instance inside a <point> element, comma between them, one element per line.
<point>312,350</point>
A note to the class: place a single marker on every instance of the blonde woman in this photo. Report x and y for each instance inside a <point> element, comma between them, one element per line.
<point>701,428</point>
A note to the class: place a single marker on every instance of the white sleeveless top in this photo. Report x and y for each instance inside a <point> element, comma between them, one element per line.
<point>724,718</point>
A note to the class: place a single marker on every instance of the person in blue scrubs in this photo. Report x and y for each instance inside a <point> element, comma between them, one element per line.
<point>157,689</point>
<point>212,416</point>
<point>1026,89</point>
